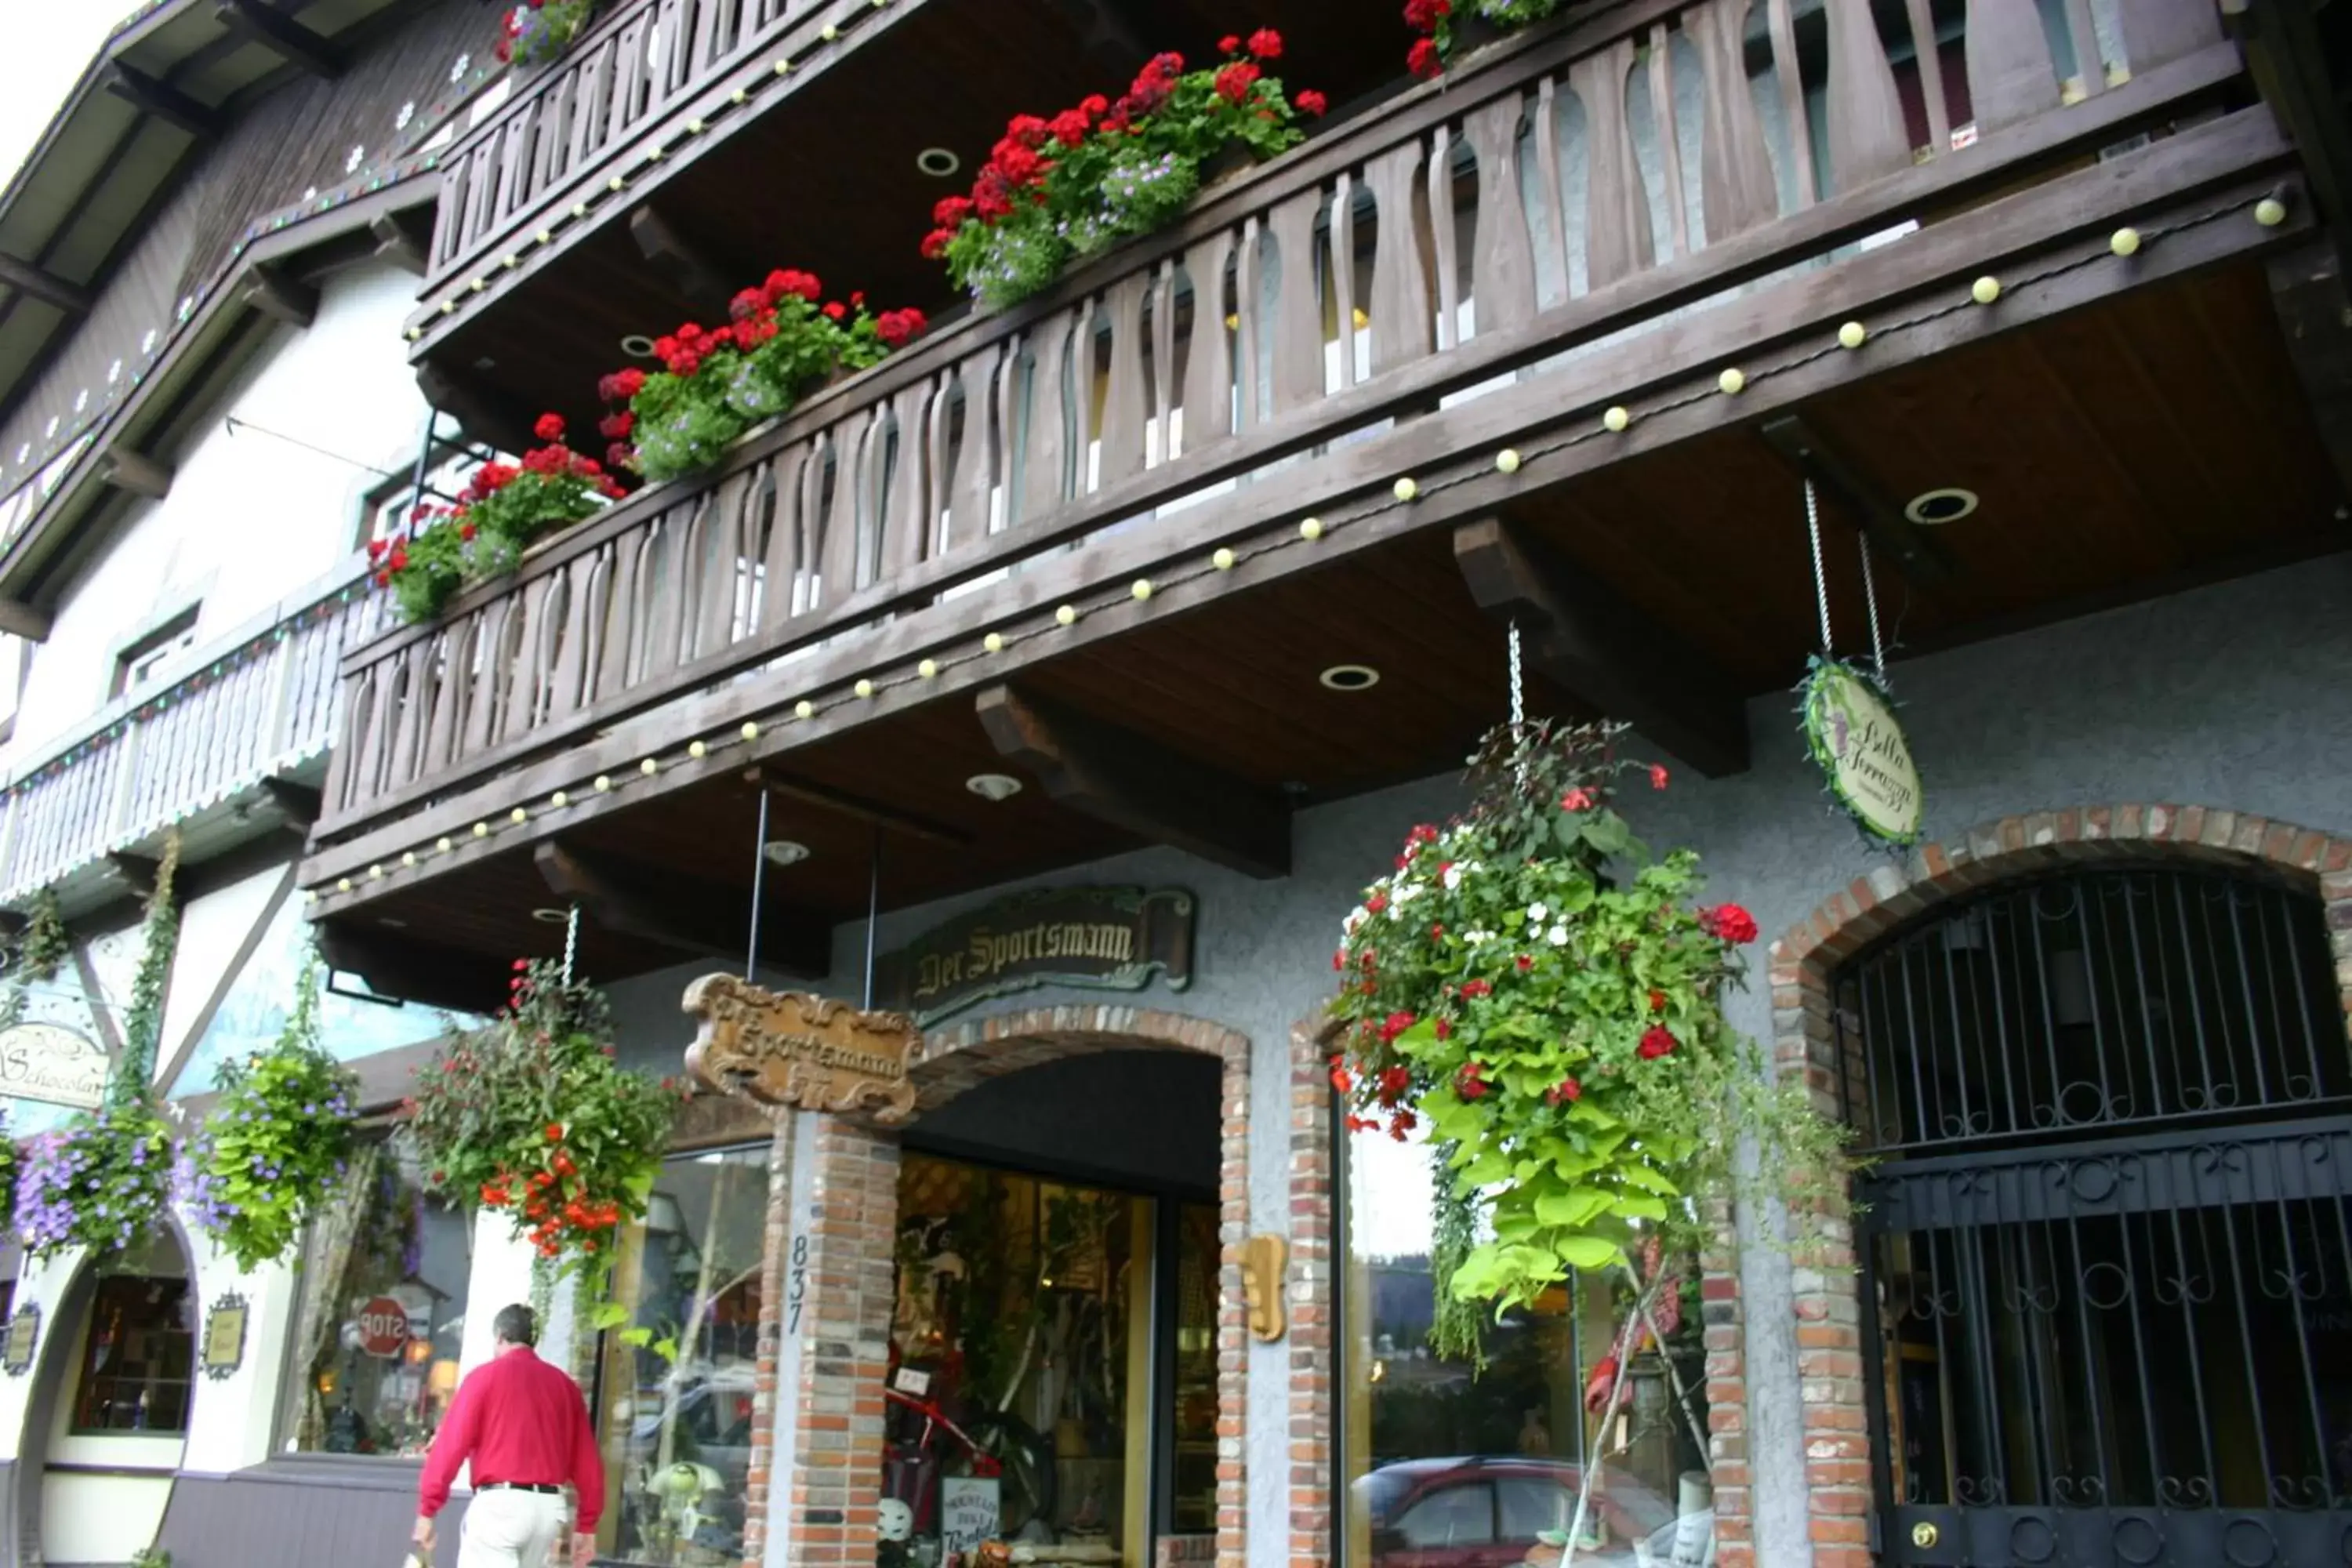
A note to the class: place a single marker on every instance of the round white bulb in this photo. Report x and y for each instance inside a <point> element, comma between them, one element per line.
<point>1985,289</point>
<point>2124,241</point>
<point>481,830</point>
<point>1222,560</point>
<point>1733,381</point>
<point>650,767</point>
<point>1616,420</point>
<point>806,709</point>
<point>1142,589</point>
<point>375,872</point>
<point>994,642</point>
<point>443,845</point>
<point>864,688</point>
<point>408,857</point>
<point>1068,615</point>
<point>2270,212</point>
<point>1311,529</point>
<point>603,783</point>
<point>559,800</point>
<point>1406,489</point>
<point>343,884</point>
<point>1852,335</point>
<point>697,750</point>
<point>929,670</point>
<point>751,730</point>
<point>517,816</point>
<point>1506,460</point>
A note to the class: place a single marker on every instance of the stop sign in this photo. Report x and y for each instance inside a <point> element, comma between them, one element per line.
<point>383,1327</point>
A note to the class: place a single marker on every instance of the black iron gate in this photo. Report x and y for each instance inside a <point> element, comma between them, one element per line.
<point>2107,1239</point>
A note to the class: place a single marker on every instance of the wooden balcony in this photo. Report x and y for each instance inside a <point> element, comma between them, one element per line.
<point>1479,308</point>
<point>231,749</point>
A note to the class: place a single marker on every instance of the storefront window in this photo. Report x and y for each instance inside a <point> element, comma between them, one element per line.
<point>1449,1466</point>
<point>676,1387</point>
<point>135,1361</point>
<point>1021,1338</point>
<point>1196,1372</point>
<point>376,1346</point>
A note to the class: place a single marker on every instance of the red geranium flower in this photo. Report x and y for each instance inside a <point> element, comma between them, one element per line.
<point>1230,44</point>
<point>1658,1041</point>
<point>1730,922</point>
<point>1265,44</point>
<point>1235,80</point>
<point>1395,1024</point>
<point>1424,61</point>
<point>1311,102</point>
<point>1446,1028</point>
<point>1657,776</point>
<point>1477,987</point>
<point>1470,1083</point>
<point>1657,1001</point>
<point>1566,1090</point>
<point>550,427</point>
<point>1576,800</point>
<point>1423,16</point>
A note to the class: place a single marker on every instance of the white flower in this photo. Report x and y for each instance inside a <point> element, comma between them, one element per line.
<point>1453,878</point>
<point>1356,917</point>
<point>1404,891</point>
<point>1539,912</point>
<point>1557,936</point>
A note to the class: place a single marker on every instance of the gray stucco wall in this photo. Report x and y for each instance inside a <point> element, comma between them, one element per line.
<point>2238,695</point>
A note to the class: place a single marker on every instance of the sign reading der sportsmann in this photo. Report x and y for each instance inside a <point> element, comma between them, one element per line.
<point>810,1052</point>
<point>1112,938</point>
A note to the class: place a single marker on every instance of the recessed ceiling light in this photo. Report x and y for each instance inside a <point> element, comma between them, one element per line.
<point>784,852</point>
<point>1350,677</point>
<point>938,162</point>
<point>636,345</point>
<point>993,787</point>
<point>551,917</point>
<point>1941,506</point>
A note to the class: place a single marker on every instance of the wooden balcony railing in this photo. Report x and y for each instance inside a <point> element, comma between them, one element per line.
<point>1463,236</point>
<point>259,704</point>
<point>642,62</point>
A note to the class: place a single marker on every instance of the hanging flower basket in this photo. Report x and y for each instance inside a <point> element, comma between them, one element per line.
<point>532,1117</point>
<point>1055,191</point>
<point>1542,998</point>
<point>277,1141</point>
<point>716,384</point>
<point>98,1183</point>
<point>541,30</point>
<point>1448,27</point>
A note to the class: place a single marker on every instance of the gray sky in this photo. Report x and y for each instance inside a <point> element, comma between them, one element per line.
<point>50,42</point>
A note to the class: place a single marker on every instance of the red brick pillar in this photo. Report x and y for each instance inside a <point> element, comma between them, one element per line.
<point>1722,1322</point>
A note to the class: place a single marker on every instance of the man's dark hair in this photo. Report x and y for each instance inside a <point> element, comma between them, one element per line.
<point>514,1326</point>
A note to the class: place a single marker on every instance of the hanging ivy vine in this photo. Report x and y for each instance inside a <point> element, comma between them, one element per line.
<point>1457,1331</point>
<point>40,953</point>
<point>143,1022</point>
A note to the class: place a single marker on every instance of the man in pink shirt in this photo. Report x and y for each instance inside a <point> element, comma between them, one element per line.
<point>525,1426</point>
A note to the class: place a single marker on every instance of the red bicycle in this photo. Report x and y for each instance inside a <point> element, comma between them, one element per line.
<point>991,1443</point>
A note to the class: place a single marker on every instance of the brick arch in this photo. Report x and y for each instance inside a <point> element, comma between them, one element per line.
<point>834,1485</point>
<point>1831,1363</point>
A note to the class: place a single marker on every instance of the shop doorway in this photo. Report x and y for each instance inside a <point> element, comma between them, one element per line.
<point>2106,1241</point>
<point>1053,1371</point>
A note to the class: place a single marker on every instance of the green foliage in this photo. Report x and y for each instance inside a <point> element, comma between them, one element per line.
<point>541,30</point>
<point>98,1182</point>
<point>504,509</point>
<point>143,1022</point>
<point>685,422</point>
<point>530,1114</point>
<point>1457,1329</point>
<point>151,1557</point>
<point>1056,191</point>
<point>276,1141</point>
<point>1547,999</point>
<point>39,953</point>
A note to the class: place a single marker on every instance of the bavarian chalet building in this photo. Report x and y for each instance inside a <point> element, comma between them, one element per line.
<point>959,771</point>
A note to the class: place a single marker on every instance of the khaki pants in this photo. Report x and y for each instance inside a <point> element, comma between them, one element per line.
<point>510,1530</point>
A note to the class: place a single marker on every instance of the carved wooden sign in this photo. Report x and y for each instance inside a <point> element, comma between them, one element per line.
<point>1110,938</point>
<point>51,1063</point>
<point>23,1339</point>
<point>789,1048</point>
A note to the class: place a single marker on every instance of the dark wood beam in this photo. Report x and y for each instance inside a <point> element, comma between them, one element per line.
<point>1112,32</point>
<point>163,100</point>
<point>136,473</point>
<point>300,804</point>
<point>425,974</point>
<point>405,238</point>
<point>280,296</point>
<point>2315,313</point>
<point>1584,636</point>
<point>19,619</point>
<point>698,280</point>
<point>2286,50</point>
<point>485,415</point>
<point>283,36</point>
<point>882,816</point>
<point>1120,777</point>
<point>1895,534</point>
<point>47,286</point>
<point>137,870</point>
<point>685,914</point>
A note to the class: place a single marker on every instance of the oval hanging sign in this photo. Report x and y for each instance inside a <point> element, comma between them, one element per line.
<point>1862,753</point>
<point>383,1327</point>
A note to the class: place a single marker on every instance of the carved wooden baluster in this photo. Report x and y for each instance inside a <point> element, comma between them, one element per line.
<point>1554,237</point>
<point>968,490</point>
<point>1006,395</point>
<point>616,653</point>
<point>669,568</point>
<point>525,636</point>
<point>1164,356</point>
<point>1298,307</point>
<point>2155,31</point>
<point>628,81</point>
<point>1043,472</point>
<point>1209,353</point>
<point>416,698</point>
<point>2011,77</point>
<point>1867,139</point>
<point>821,593</point>
<point>571,664</point>
<point>1444,239</point>
<point>1124,412</point>
<point>788,554</point>
<point>2085,35</point>
<point>837,558</point>
<point>1503,265</point>
<point>1617,237</point>
<point>872,468</point>
<point>719,564</point>
<point>1793,102</point>
<point>488,676</point>
<point>906,534</point>
<point>482,192</point>
<point>367,726</point>
<point>1249,310</point>
<point>592,105</point>
<point>1670,142</point>
<point>1930,57</point>
<point>449,701</point>
<point>1402,324</point>
<point>1735,173</point>
<point>1342,276</point>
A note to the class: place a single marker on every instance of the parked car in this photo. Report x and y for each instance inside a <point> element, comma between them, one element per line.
<point>1478,1512</point>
